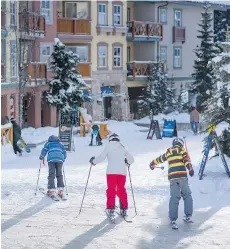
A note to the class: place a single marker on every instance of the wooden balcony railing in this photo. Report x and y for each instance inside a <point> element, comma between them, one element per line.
<point>73,26</point>
<point>3,19</point>
<point>85,69</point>
<point>139,28</point>
<point>37,71</point>
<point>178,34</point>
<point>140,68</point>
<point>32,23</point>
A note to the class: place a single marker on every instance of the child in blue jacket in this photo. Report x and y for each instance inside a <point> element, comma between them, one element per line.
<point>56,156</point>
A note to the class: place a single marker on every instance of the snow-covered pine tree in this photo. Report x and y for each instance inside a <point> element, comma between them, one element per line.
<point>219,104</point>
<point>204,78</point>
<point>156,96</point>
<point>65,87</point>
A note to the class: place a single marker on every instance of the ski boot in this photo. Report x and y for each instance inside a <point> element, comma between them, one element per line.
<point>61,194</point>
<point>110,214</point>
<point>123,212</point>
<point>174,225</point>
<point>51,193</point>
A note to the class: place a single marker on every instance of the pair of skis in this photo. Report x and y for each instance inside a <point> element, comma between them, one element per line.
<point>53,197</point>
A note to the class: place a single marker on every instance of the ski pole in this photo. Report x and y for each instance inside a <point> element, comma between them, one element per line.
<point>186,148</point>
<point>65,180</point>
<point>85,188</point>
<point>132,189</point>
<point>38,177</point>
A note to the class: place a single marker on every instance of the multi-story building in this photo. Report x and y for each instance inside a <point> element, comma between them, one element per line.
<point>116,41</point>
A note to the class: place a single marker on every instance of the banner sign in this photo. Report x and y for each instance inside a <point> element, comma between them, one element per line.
<point>169,129</point>
<point>65,135</point>
<point>154,128</point>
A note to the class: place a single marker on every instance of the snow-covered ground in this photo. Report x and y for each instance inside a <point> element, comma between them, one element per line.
<point>30,222</point>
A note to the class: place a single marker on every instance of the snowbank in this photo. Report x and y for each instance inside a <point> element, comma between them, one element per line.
<point>35,136</point>
<point>179,117</point>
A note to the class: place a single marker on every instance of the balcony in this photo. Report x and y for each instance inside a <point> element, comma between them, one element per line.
<point>4,32</point>
<point>178,34</point>
<point>145,31</point>
<point>32,24</point>
<point>74,27</point>
<point>37,72</point>
<point>140,69</point>
<point>85,69</point>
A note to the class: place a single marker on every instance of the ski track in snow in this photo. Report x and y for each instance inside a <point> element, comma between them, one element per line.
<point>38,222</point>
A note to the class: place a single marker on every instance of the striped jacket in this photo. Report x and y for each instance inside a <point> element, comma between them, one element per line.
<point>178,161</point>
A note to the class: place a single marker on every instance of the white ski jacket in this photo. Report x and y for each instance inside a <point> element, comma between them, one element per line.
<point>116,155</point>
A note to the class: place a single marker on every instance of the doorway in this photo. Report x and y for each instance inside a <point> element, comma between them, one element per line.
<point>107,107</point>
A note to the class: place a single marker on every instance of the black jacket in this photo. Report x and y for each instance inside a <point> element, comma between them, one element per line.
<point>16,132</point>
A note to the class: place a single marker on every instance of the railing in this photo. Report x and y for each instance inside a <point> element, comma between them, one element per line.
<point>85,69</point>
<point>139,28</point>
<point>178,34</point>
<point>37,71</point>
<point>73,26</point>
<point>3,19</point>
<point>31,23</point>
<point>140,68</point>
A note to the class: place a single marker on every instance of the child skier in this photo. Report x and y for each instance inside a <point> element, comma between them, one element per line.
<point>56,156</point>
<point>118,159</point>
<point>178,161</point>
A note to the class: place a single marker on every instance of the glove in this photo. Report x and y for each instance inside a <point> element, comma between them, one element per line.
<point>91,160</point>
<point>191,171</point>
<point>126,161</point>
<point>41,158</point>
<point>152,165</point>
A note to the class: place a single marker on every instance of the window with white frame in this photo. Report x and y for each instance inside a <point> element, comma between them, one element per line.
<point>102,56</point>
<point>117,14</point>
<point>163,53</point>
<point>13,13</point>
<point>177,58</point>
<point>178,18</point>
<point>46,10</point>
<point>45,53</point>
<point>116,56</point>
<point>163,15</point>
<point>13,59</point>
<point>102,14</point>
<point>81,51</point>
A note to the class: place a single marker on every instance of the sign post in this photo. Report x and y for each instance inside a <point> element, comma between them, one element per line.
<point>169,129</point>
<point>154,128</point>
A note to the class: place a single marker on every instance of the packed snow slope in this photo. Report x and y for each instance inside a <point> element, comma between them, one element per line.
<point>30,222</point>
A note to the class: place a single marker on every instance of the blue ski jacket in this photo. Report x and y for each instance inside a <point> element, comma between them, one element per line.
<point>55,149</point>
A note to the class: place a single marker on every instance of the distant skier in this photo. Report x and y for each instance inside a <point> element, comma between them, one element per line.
<point>95,136</point>
<point>56,157</point>
<point>178,161</point>
<point>16,136</point>
<point>118,159</point>
<point>194,120</point>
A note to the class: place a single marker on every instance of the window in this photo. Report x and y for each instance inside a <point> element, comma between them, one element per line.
<point>13,15</point>
<point>82,51</point>
<point>128,14</point>
<point>76,10</point>
<point>163,15</point>
<point>45,53</point>
<point>116,14</point>
<point>102,14</point>
<point>177,58</point>
<point>13,59</point>
<point>177,18</point>
<point>102,56</point>
<point>117,56</point>
<point>46,10</point>
<point>163,53</point>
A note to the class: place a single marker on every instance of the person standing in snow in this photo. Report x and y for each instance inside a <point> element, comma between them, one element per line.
<point>56,157</point>
<point>194,120</point>
<point>178,161</point>
<point>118,159</point>
<point>16,136</point>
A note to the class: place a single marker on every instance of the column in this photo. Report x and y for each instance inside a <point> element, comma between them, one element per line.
<point>49,115</point>
<point>34,110</point>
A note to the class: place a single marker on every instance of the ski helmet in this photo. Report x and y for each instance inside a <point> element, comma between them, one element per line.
<point>114,137</point>
<point>178,142</point>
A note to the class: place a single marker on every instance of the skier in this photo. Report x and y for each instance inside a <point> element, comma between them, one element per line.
<point>56,157</point>
<point>178,161</point>
<point>118,159</point>
<point>16,136</point>
<point>95,136</point>
<point>194,120</point>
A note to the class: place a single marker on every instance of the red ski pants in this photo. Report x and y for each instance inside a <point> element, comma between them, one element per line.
<point>116,186</point>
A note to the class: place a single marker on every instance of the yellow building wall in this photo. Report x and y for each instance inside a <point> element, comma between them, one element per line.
<point>103,37</point>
